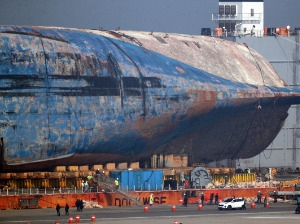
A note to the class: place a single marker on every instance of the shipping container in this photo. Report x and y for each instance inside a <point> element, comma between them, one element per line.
<point>139,180</point>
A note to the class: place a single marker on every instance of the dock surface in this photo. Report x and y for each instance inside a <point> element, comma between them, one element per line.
<point>275,213</point>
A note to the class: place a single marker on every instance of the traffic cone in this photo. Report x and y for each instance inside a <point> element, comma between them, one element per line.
<point>93,218</point>
<point>173,208</point>
<point>77,218</point>
<point>252,205</point>
<point>71,220</point>
<point>200,207</point>
<point>175,221</point>
<point>146,209</point>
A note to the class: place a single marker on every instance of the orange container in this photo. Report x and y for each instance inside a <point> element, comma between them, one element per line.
<point>283,31</point>
<point>218,32</point>
<point>265,31</point>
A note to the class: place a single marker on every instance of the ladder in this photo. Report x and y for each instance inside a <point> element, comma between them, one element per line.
<point>109,183</point>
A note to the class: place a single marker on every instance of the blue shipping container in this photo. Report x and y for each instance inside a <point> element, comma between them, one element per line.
<point>139,179</point>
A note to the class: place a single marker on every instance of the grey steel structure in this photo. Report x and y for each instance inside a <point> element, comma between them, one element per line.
<point>283,53</point>
<point>280,46</point>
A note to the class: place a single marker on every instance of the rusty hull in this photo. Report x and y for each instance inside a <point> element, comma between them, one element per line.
<point>83,97</point>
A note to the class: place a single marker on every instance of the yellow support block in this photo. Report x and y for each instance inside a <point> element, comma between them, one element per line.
<point>45,183</point>
<point>78,183</point>
<point>62,183</point>
<point>234,178</point>
<point>28,183</point>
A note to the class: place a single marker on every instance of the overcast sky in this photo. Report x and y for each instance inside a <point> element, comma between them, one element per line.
<point>178,16</point>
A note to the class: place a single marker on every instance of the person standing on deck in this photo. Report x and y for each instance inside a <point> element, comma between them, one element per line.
<point>117,183</point>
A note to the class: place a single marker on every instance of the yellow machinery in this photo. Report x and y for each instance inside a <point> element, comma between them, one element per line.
<point>289,182</point>
<point>233,178</point>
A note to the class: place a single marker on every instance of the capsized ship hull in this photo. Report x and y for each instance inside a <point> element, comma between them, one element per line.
<point>78,97</point>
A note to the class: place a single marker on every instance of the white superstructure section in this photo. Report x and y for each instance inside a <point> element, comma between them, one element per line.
<point>241,18</point>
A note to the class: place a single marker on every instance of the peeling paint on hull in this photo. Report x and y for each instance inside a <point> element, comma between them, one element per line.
<point>76,97</point>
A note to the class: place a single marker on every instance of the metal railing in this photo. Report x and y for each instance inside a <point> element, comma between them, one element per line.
<point>98,189</point>
<point>74,190</point>
<point>101,184</point>
<point>237,17</point>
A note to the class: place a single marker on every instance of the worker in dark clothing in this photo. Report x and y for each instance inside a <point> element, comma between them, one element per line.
<point>216,199</point>
<point>67,209</point>
<point>202,199</point>
<point>258,197</point>
<point>244,205</point>
<point>211,198</point>
<point>98,175</point>
<point>81,205</point>
<point>58,209</point>
<point>185,199</point>
<point>275,197</point>
<point>77,203</point>
<point>103,177</point>
<point>265,202</point>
